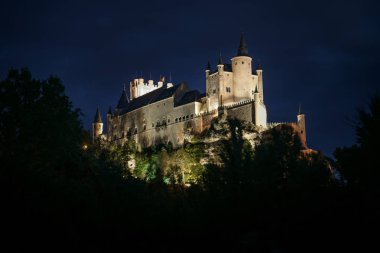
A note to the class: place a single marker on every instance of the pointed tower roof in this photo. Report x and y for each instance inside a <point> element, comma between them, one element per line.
<point>208,66</point>
<point>300,110</point>
<point>123,101</point>
<point>110,110</point>
<point>98,118</point>
<point>259,65</point>
<point>220,61</point>
<point>242,50</point>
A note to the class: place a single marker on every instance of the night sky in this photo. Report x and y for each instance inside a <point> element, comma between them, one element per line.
<point>323,54</point>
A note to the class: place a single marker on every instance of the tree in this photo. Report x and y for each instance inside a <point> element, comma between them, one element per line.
<point>39,127</point>
<point>359,163</point>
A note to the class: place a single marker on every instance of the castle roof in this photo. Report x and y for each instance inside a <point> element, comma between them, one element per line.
<point>220,61</point>
<point>123,101</point>
<point>189,97</point>
<point>152,97</point>
<point>300,110</point>
<point>98,118</point>
<point>242,50</point>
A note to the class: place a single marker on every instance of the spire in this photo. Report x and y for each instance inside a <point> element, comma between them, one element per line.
<point>123,101</point>
<point>242,50</point>
<point>98,118</point>
<point>300,110</point>
<point>208,66</point>
<point>259,65</point>
<point>220,61</point>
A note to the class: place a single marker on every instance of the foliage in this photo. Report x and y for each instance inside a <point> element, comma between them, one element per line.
<point>359,163</point>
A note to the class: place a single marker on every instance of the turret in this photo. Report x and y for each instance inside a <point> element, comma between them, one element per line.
<point>242,72</point>
<point>301,124</point>
<point>161,82</point>
<point>260,116</point>
<point>97,126</point>
<point>133,88</point>
<point>256,95</point>
<point>208,69</point>
<point>259,72</point>
<point>220,65</point>
<point>109,122</point>
<point>123,101</point>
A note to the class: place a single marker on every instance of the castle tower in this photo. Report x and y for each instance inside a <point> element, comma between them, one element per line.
<point>97,126</point>
<point>133,88</point>
<point>242,73</point>
<point>220,88</point>
<point>257,106</point>
<point>301,124</point>
<point>109,122</point>
<point>259,72</point>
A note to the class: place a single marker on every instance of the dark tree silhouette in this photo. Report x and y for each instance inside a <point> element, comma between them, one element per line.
<point>359,164</point>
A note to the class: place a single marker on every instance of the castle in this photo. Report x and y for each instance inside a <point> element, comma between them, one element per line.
<point>156,113</point>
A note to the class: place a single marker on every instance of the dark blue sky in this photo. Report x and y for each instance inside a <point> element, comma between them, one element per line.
<point>323,54</point>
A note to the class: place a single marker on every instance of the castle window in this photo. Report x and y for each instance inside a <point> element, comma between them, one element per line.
<point>179,119</point>
<point>168,120</point>
<point>242,62</point>
<point>135,130</point>
<point>144,127</point>
<point>191,116</point>
<point>176,120</point>
<point>228,89</point>
<point>183,118</point>
<point>214,91</point>
<point>187,117</point>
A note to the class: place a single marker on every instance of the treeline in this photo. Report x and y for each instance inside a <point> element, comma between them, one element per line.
<point>58,195</point>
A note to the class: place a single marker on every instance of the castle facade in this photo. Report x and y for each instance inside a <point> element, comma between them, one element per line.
<point>156,113</point>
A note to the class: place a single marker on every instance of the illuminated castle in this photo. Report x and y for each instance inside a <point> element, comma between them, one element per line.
<point>161,112</point>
